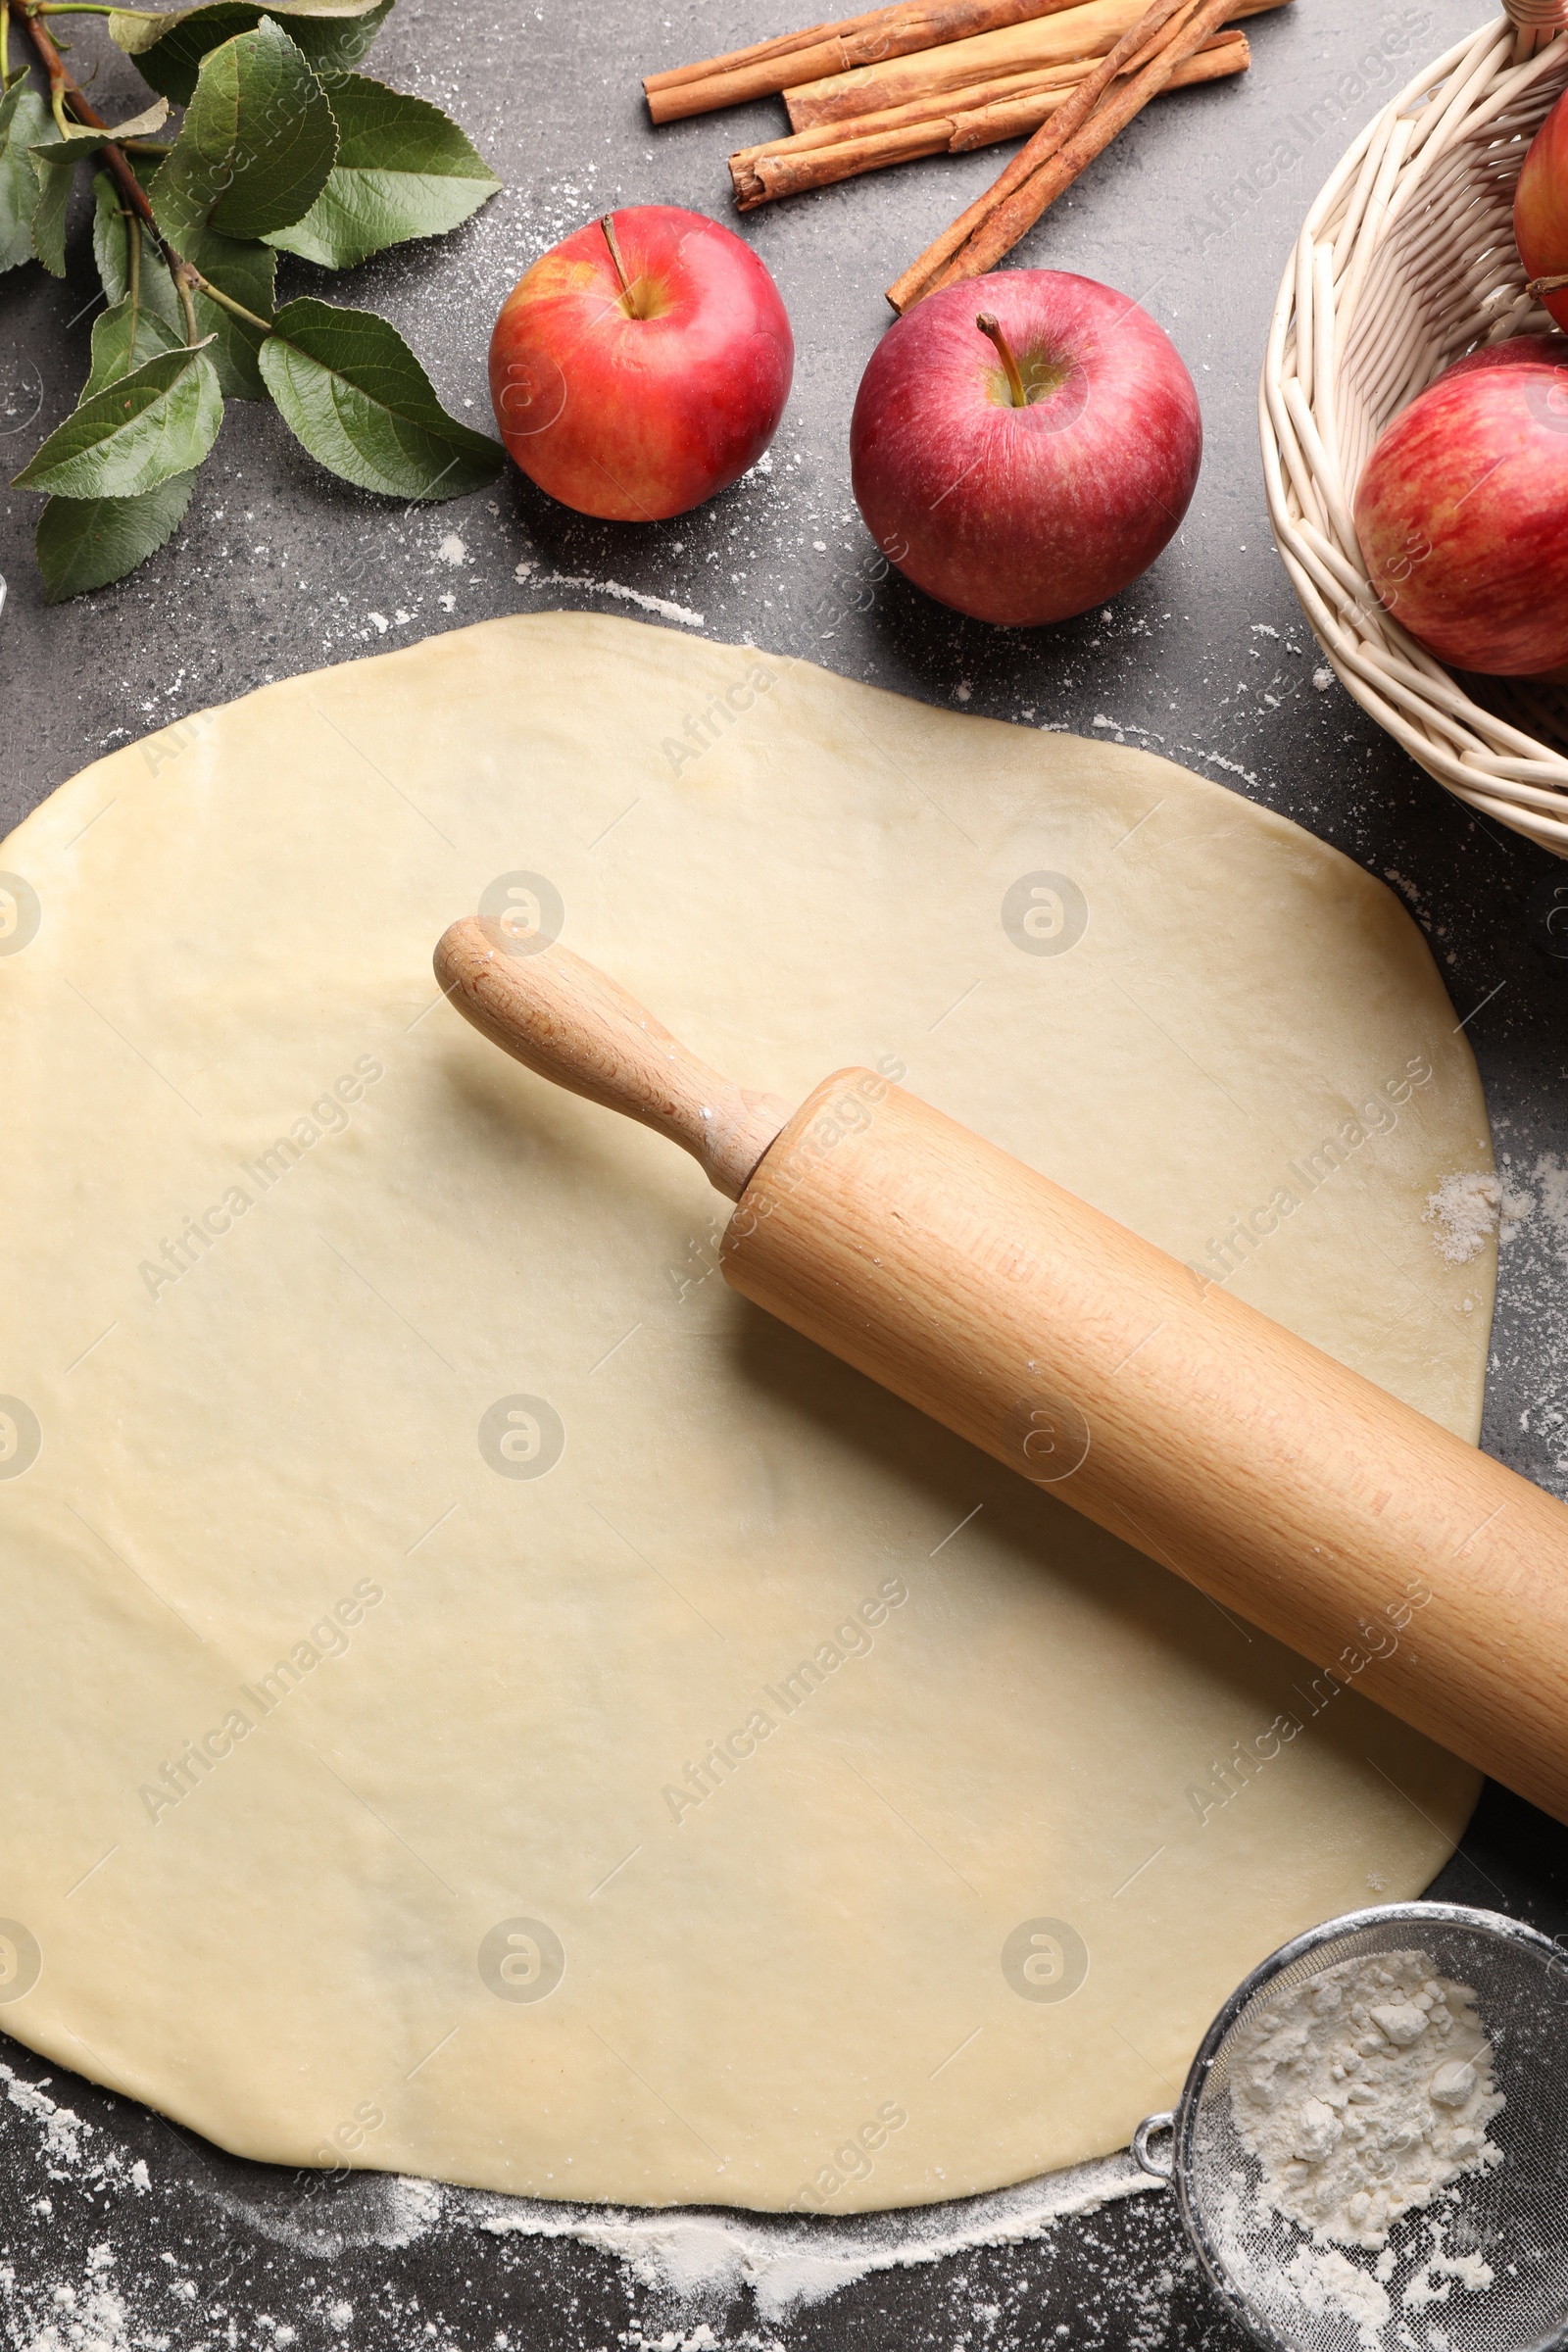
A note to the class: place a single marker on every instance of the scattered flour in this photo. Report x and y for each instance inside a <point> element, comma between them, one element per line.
<point>414,2208</point>
<point>88,2323</point>
<point>662,605</point>
<point>692,2263</point>
<point>1465,1210</point>
<point>695,2262</point>
<point>63,2131</point>
<point>1533,1230</point>
<point>452,551</point>
<point>699,2260</point>
<point>1363,2092</point>
<point>1542,1196</point>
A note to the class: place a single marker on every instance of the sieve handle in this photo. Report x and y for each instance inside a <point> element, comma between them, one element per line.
<point>1163,2165</point>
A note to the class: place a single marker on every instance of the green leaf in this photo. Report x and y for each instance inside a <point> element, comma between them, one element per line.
<point>404,170</point>
<point>157,423</point>
<point>110,234</point>
<point>81,138</point>
<point>23,120</point>
<point>349,388</point>
<point>259,139</point>
<point>111,245</point>
<point>338,46</point>
<point>54,167</point>
<point>169,46</point>
<point>54,162</point>
<point>247,272</point>
<point>87,542</point>
<point>124,336</point>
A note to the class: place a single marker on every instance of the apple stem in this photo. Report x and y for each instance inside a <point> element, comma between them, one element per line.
<point>607,224</point>
<point>990,325</point>
<point>1547,286</point>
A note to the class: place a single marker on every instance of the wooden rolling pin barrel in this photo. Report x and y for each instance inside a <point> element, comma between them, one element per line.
<point>1291,1489</point>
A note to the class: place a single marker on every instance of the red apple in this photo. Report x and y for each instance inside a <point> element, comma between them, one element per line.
<point>642,365</point>
<point>1520,351</point>
<point>1024,471</point>
<point>1462,511</point>
<point>1541,208</point>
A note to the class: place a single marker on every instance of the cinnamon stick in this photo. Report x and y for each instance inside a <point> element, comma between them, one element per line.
<point>767,67</point>
<point>1090,30</point>
<point>922,276</point>
<point>923,108</point>
<point>1063,159</point>
<point>766,177</point>
<point>1222,55</point>
<point>1004,109</point>
<point>1061,149</point>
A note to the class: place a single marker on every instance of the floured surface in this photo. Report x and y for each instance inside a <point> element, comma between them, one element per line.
<point>683,2271</point>
<point>832,1976</point>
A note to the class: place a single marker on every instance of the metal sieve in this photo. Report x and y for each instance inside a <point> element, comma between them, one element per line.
<point>1512,2219</point>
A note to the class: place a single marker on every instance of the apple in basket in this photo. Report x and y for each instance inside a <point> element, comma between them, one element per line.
<point>1462,511</point>
<point>1024,449</point>
<point>642,365</point>
<point>1540,211</point>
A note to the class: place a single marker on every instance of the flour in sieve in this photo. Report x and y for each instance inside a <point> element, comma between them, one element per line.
<point>1363,2092</point>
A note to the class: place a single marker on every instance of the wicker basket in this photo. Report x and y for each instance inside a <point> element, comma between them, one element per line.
<point>1408,260</point>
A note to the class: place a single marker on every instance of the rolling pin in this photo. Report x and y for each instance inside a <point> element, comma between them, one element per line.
<point>1291,1490</point>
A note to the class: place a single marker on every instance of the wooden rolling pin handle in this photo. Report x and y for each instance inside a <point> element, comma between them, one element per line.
<point>574,1027</point>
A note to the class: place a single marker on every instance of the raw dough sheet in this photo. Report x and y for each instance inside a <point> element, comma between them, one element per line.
<point>485,1701</point>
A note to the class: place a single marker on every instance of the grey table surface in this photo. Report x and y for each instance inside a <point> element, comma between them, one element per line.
<point>279,570</point>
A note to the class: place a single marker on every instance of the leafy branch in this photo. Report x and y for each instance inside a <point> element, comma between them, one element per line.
<point>285,147</point>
